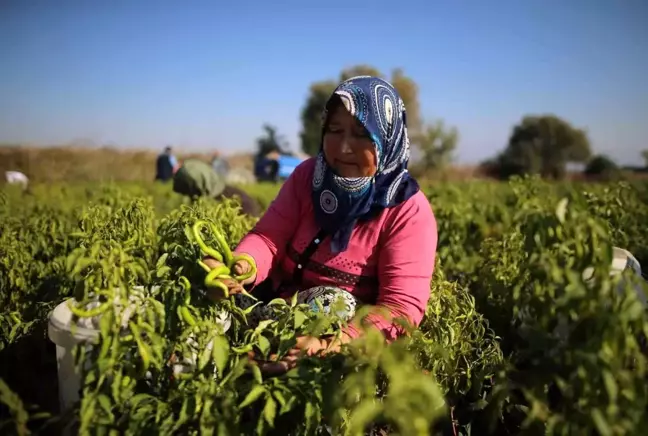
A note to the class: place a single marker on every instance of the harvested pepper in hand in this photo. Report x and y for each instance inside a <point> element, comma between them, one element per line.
<point>223,254</point>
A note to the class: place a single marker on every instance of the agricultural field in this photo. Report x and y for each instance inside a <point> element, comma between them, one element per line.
<point>515,339</point>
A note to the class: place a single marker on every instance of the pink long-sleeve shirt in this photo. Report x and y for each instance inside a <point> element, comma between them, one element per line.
<point>389,261</point>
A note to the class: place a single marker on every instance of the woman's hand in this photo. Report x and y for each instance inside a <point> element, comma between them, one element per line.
<point>306,345</point>
<point>240,267</point>
<point>233,288</point>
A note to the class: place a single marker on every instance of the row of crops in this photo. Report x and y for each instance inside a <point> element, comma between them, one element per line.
<point>514,340</point>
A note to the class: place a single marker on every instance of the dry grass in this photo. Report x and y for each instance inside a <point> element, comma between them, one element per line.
<point>53,164</point>
<point>453,173</point>
<point>85,164</point>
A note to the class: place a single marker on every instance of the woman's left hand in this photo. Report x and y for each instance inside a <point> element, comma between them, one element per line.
<point>306,345</point>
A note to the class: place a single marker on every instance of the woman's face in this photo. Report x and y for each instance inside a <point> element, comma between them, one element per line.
<point>348,148</point>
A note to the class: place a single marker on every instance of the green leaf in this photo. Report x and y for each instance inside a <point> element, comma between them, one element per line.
<point>270,411</point>
<point>253,395</point>
<point>364,414</point>
<point>601,423</point>
<point>264,345</point>
<point>610,385</point>
<point>220,353</point>
<point>300,318</point>
<point>204,358</point>
<point>161,261</point>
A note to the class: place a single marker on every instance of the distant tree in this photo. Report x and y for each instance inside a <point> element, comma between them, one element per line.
<point>270,141</point>
<point>311,116</point>
<point>409,92</point>
<point>359,70</point>
<point>491,167</point>
<point>320,92</point>
<point>437,144</point>
<point>542,145</point>
<point>603,168</point>
<point>644,155</point>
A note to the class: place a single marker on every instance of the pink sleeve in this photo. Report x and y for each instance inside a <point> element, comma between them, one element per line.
<point>267,241</point>
<point>405,265</point>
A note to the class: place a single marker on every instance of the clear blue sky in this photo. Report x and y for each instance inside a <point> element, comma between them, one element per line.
<point>205,74</point>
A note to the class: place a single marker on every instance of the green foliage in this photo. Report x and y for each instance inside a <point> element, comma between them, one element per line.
<point>603,168</point>
<point>438,144</point>
<point>514,340</point>
<point>541,145</point>
<point>408,90</point>
<point>358,70</point>
<point>572,343</point>
<point>311,116</point>
<point>644,155</point>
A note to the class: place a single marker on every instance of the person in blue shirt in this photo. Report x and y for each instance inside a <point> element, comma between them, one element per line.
<point>266,167</point>
<point>166,165</point>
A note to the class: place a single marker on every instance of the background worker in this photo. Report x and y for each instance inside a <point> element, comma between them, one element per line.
<point>219,164</point>
<point>17,178</point>
<point>196,178</point>
<point>166,165</point>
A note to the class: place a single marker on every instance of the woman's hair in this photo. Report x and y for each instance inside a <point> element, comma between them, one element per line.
<point>333,104</point>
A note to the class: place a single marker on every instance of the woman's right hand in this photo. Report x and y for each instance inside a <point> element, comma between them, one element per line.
<point>240,267</point>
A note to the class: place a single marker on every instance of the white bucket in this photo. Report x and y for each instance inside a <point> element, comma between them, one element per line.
<point>622,260</point>
<point>66,336</point>
<point>59,330</point>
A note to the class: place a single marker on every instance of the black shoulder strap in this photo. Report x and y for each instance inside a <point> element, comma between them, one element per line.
<point>303,258</point>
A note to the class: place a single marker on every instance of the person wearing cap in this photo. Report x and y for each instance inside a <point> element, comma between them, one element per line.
<point>196,178</point>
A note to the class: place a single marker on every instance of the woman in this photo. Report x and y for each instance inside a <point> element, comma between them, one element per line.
<point>196,178</point>
<point>351,218</point>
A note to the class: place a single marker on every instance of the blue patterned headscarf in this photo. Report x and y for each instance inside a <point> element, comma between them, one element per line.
<point>340,202</point>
